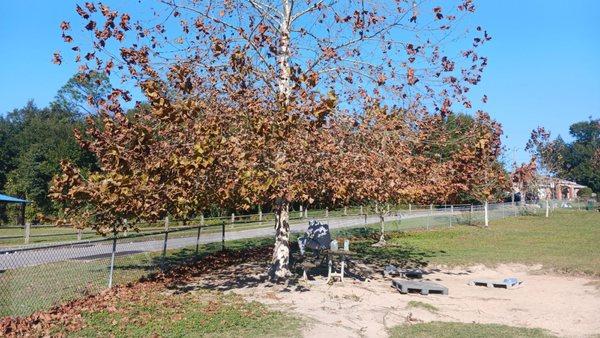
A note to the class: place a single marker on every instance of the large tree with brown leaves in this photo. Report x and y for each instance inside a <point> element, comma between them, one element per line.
<point>244,97</point>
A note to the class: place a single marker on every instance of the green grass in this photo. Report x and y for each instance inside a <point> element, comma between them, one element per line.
<point>28,289</point>
<point>41,235</point>
<point>415,304</point>
<point>566,242</point>
<point>13,236</point>
<point>192,314</point>
<point>449,330</point>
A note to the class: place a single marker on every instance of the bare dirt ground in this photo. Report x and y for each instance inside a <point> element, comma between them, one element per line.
<point>567,306</point>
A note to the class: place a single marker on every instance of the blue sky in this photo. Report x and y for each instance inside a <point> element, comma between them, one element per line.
<point>544,60</point>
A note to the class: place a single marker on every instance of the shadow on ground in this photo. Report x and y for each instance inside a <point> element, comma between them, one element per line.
<point>365,261</point>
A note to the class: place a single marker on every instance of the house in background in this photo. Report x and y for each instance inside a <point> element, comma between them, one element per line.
<point>546,187</point>
<point>558,189</point>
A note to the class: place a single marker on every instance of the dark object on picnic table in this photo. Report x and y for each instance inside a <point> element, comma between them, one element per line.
<point>391,270</point>
<point>317,237</point>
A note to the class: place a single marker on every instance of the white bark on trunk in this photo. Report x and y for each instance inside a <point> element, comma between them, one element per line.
<point>283,58</point>
<point>382,229</point>
<point>382,225</point>
<point>281,252</point>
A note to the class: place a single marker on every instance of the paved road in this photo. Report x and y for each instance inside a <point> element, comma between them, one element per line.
<point>88,251</point>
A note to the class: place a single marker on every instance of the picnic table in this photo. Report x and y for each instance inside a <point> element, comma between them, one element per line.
<point>337,255</point>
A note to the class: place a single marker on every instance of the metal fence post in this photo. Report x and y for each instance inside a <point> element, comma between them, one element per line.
<point>198,239</point>
<point>471,216</point>
<point>365,218</point>
<point>112,261</point>
<point>164,253</point>
<point>223,236</point>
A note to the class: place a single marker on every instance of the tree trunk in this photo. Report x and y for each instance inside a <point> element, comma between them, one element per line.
<point>382,229</point>
<point>283,57</point>
<point>281,252</point>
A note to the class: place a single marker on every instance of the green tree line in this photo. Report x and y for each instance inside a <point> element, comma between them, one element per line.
<point>33,141</point>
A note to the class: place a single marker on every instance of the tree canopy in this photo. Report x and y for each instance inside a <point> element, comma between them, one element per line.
<point>273,102</point>
<point>33,142</point>
<point>578,160</point>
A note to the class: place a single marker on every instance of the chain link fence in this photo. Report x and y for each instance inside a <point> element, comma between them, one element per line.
<point>38,277</point>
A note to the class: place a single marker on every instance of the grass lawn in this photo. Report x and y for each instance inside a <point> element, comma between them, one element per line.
<point>450,330</point>
<point>192,314</point>
<point>45,235</point>
<point>567,242</point>
<point>28,289</point>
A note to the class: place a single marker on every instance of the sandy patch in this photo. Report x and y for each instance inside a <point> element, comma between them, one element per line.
<point>567,306</point>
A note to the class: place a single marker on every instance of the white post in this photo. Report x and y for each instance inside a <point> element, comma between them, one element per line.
<point>485,211</point>
<point>471,216</point>
<point>202,219</point>
<point>79,234</point>
<point>232,218</point>
<point>306,212</point>
<point>409,208</point>
<point>27,232</point>
<point>260,214</point>
<point>547,209</point>
<point>430,216</point>
<point>345,210</point>
<point>361,210</point>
